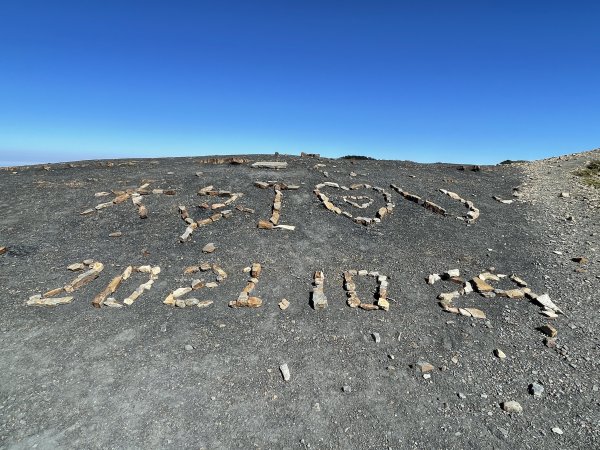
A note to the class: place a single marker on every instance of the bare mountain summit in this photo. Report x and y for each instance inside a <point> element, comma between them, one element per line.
<point>295,302</point>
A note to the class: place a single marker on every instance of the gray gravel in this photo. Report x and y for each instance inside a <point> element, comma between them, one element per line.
<point>74,376</point>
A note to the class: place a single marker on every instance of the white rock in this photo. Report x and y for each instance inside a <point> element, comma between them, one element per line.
<point>453,273</point>
<point>544,300</point>
<point>285,371</point>
<point>431,279</point>
<point>512,407</point>
<point>269,165</point>
<point>499,353</point>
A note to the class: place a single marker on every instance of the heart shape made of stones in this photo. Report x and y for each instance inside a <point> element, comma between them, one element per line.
<point>350,199</point>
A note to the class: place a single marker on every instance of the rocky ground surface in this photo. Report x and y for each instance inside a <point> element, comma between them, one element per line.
<point>403,368</point>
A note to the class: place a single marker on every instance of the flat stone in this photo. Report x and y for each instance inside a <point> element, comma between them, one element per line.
<point>107,291</point>
<point>549,313</point>
<point>103,205</point>
<point>499,353</point>
<point>512,293</point>
<point>265,225</point>
<point>376,337</point>
<point>353,301</point>
<point>144,269</point>
<point>481,286</point>
<point>284,304</point>
<point>382,303</point>
<point>85,277</point>
<point>53,292</point>
<point>512,407</point>
<point>545,301</point>
<point>518,280</point>
<point>204,303</point>
<point>254,302</point>
<point>424,367</point>
<point>76,267</point>
<point>474,312</point>
<point>143,212</point>
<point>112,303</point>
<point>255,270</point>
<point>209,248</point>
<point>488,276</point>
<point>189,348</point>
<point>431,279</point>
<point>191,269</point>
<point>448,296</point>
<point>115,234</point>
<point>557,430</point>
<point>318,300</point>
<point>285,372</point>
<point>368,306</point>
<point>269,165</point>
<point>34,301</point>
<point>536,389</point>
<point>452,273</point>
<point>467,287</point>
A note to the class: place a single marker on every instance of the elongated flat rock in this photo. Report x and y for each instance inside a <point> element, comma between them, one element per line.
<point>269,165</point>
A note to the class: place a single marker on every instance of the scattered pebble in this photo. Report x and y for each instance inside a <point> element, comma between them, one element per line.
<point>189,348</point>
<point>209,248</point>
<point>347,389</point>
<point>536,389</point>
<point>285,371</point>
<point>499,353</point>
<point>116,234</point>
<point>424,367</point>
<point>557,430</point>
<point>376,337</point>
<point>512,407</point>
<point>284,304</point>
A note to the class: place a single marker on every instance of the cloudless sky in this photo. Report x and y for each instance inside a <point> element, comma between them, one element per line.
<point>456,81</point>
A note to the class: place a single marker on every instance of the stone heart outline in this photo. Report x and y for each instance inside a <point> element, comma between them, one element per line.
<point>381,212</point>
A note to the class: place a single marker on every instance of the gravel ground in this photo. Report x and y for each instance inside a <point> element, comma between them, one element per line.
<point>151,375</point>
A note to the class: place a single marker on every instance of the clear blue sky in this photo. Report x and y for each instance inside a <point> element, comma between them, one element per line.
<point>458,81</point>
